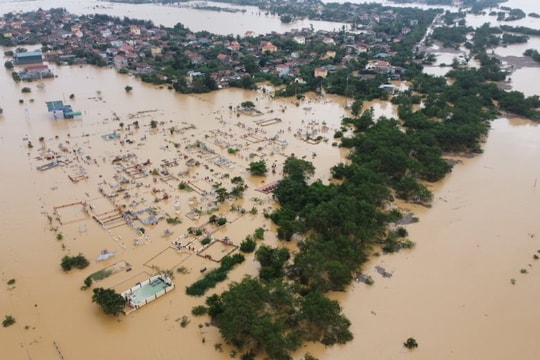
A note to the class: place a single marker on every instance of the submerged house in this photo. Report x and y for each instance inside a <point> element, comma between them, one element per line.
<point>34,72</point>
<point>28,57</point>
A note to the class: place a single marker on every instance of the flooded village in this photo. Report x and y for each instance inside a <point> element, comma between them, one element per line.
<point>154,188</point>
<point>139,184</point>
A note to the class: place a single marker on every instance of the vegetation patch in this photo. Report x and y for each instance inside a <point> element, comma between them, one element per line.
<point>78,261</point>
<point>215,276</point>
<point>411,343</point>
<point>101,274</point>
<point>110,301</point>
<point>8,321</point>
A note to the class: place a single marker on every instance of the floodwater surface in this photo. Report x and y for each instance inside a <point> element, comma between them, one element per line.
<point>468,290</point>
<point>470,287</point>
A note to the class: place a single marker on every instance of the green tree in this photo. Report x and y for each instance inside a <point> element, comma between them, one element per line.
<point>250,64</point>
<point>110,301</point>
<point>258,168</point>
<point>272,262</point>
<point>247,105</point>
<point>322,320</point>
<point>297,168</point>
<point>78,261</point>
<point>286,18</point>
<point>248,245</point>
<point>252,315</point>
<point>221,194</point>
<point>8,321</point>
<point>411,343</point>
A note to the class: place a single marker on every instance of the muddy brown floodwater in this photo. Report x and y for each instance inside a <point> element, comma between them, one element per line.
<point>453,292</point>
<point>101,153</point>
<point>468,290</point>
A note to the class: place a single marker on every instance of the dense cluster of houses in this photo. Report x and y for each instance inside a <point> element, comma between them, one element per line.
<point>138,46</point>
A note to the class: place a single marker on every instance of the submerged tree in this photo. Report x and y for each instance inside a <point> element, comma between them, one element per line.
<point>110,301</point>
<point>410,343</point>
<point>257,168</point>
<point>69,262</point>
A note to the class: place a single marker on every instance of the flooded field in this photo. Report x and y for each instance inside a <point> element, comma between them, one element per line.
<point>68,181</point>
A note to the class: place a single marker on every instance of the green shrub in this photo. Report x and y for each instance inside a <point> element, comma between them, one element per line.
<point>8,321</point>
<point>110,301</point>
<point>248,245</point>
<point>410,343</point>
<point>199,310</point>
<point>184,321</point>
<point>259,233</point>
<point>69,262</point>
<point>211,278</point>
<point>174,220</point>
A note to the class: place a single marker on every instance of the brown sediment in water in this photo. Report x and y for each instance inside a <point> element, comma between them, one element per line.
<point>105,169</point>
<point>454,291</point>
<point>453,285</point>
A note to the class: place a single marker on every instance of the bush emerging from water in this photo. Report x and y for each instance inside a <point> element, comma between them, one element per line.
<point>69,262</point>
<point>199,310</point>
<point>110,301</point>
<point>248,245</point>
<point>211,278</point>
<point>259,233</point>
<point>174,220</point>
<point>184,321</point>
<point>410,343</point>
<point>8,321</point>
